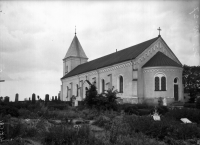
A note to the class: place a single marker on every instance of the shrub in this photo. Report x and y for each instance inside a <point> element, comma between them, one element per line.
<point>24,113</point>
<point>120,134</point>
<point>58,106</point>
<point>102,121</point>
<point>16,141</point>
<point>69,135</point>
<point>136,139</point>
<point>5,110</point>
<point>191,114</point>
<point>161,110</point>
<point>198,103</point>
<point>29,132</point>
<point>190,105</point>
<point>163,128</point>
<point>12,130</point>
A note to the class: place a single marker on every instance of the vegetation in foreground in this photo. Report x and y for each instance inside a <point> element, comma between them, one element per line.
<point>120,124</point>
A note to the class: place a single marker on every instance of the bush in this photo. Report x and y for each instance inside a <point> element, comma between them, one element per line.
<point>12,130</point>
<point>5,110</point>
<point>16,141</point>
<point>29,132</point>
<point>161,110</point>
<point>192,114</point>
<point>24,113</point>
<point>70,136</point>
<point>58,106</point>
<point>103,101</point>
<point>163,128</point>
<point>102,121</point>
<point>190,105</point>
<point>120,134</point>
<point>137,109</point>
<point>198,103</point>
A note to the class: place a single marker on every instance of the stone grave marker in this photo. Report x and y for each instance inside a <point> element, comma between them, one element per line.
<point>185,120</point>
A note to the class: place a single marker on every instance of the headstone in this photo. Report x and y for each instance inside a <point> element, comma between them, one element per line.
<point>16,97</point>
<point>156,117</point>
<point>164,102</point>
<point>185,120</point>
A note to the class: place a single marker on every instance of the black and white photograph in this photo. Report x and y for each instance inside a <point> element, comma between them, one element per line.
<point>83,72</point>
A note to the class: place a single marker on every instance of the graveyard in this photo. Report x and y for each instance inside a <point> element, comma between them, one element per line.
<point>100,120</point>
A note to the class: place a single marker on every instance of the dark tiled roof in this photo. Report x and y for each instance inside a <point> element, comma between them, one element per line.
<point>111,59</point>
<point>160,59</point>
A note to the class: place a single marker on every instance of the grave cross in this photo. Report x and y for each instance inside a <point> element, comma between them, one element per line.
<point>159,31</point>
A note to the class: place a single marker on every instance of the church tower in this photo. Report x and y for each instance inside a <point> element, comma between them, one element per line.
<point>74,56</point>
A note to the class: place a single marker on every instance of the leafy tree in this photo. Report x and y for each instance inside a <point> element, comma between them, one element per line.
<point>191,81</point>
<point>101,101</point>
<point>91,93</point>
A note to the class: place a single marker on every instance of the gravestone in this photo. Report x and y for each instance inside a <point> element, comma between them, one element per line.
<point>164,102</point>
<point>156,116</point>
<point>185,120</point>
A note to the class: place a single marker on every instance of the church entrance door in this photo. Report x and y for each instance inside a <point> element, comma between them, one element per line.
<point>176,92</point>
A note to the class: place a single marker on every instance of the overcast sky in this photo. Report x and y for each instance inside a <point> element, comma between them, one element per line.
<point>35,36</point>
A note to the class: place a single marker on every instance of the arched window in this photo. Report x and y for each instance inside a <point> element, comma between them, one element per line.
<point>77,90</point>
<point>121,84</point>
<point>163,83</point>
<point>176,81</point>
<point>156,83</point>
<point>103,85</point>
<point>67,91</point>
<point>160,82</point>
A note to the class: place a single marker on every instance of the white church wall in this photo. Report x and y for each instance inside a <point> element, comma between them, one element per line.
<point>123,69</point>
<point>150,95</point>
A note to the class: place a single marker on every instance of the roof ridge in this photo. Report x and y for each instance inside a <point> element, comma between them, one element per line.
<point>116,57</point>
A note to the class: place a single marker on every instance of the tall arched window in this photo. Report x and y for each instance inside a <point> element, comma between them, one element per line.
<point>121,83</point>
<point>156,83</point>
<point>77,90</point>
<point>160,82</point>
<point>103,85</point>
<point>67,91</point>
<point>163,83</point>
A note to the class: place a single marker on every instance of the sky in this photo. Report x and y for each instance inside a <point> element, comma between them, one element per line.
<point>35,36</point>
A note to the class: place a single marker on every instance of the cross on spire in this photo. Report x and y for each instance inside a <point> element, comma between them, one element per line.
<point>159,31</point>
<point>75,30</point>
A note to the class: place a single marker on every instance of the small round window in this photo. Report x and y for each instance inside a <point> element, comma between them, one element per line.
<point>175,80</point>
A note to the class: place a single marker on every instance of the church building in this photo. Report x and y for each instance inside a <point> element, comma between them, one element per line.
<point>141,73</point>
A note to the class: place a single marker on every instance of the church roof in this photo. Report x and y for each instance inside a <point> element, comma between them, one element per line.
<point>160,59</point>
<point>111,59</point>
<point>75,49</point>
